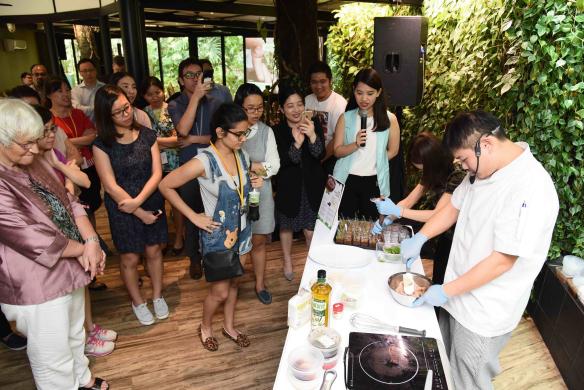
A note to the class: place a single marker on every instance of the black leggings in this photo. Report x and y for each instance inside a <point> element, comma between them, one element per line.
<point>191,195</point>
<point>356,198</point>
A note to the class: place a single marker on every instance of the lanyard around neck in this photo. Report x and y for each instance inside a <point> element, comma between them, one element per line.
<point>238,187</point>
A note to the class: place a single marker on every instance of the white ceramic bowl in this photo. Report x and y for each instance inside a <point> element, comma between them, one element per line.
<point>403,299</point>
<point>315,336</point>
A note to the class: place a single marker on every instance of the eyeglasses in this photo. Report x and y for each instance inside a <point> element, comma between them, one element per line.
<point>240,135</point>
<point>192,75</point>
<point>27,146</point>
<point>50,129</point>
<point>126,110</point>
<point>252,110</point>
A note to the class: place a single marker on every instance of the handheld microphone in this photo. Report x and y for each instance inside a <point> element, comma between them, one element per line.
<point>363,115</point>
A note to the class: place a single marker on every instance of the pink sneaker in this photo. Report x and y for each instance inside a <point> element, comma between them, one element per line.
<point>97,347</point>
<point>102,334</point>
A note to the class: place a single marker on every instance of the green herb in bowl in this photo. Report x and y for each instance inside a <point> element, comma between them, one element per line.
<point>394,250</point>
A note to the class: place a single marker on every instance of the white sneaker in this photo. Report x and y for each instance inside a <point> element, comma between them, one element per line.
<point>97,347</point>
<point>143,314</point>
<point>160,308</point>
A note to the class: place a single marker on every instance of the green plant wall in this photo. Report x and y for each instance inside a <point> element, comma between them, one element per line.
<point>520,59</point>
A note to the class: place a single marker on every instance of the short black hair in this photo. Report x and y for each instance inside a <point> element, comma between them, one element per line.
<point>245,90</point>
<point>286,90</point>
<point>464,130</point>
<point>187,62</point>
<point>53,84</point>
<point>320,67</point>
<point>23,91</point>
<point>226,117</point>
<point>148,82</point>
<point>85,61</point>
<point>33,65</point>
<point>44,112</point>
<point>204,61</point>
<point>24,74</point>
<point>119,61</point>
<point>116,77</point>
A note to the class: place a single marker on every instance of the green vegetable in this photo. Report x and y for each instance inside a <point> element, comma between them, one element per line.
<point>394,250</point>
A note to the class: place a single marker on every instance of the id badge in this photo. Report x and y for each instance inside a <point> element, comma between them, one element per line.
<point>163,158</point>
<point>243,208</point>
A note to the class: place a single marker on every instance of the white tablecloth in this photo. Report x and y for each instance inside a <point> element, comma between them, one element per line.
<point>375,301</point>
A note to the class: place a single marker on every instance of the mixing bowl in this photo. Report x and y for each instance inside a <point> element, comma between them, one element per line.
<point>403,299</point>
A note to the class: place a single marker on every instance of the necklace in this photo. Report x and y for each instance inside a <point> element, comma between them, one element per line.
<point>71,133</point>
<point>238,186</point>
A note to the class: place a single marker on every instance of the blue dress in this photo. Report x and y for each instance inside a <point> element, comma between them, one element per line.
<point>132,167</point>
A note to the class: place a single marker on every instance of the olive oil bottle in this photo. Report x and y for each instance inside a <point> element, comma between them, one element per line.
<point>321,293</point>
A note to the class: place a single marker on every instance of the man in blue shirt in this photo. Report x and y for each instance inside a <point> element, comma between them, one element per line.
<point>191,114</point>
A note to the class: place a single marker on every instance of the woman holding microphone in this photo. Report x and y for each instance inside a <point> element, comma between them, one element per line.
<point>366,137</point>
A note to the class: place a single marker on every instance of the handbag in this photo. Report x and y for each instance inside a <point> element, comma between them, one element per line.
<point>222,265</point>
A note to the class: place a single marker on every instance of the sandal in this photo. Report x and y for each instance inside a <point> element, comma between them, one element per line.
<point>210,343</point>
<point>96,385</point>
<point>241,339</point>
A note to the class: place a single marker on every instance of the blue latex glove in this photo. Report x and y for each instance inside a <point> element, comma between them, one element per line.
<point>410,248</point>
<point>387,207</point>
<point>434,295</point>
<point>377,228</point>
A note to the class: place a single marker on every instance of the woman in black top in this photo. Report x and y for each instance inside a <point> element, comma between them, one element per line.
<point>440,177</point>
<point>301,178</point>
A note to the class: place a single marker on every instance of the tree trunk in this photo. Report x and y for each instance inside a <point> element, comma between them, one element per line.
<point>296,37</point>
<point>86,41</point>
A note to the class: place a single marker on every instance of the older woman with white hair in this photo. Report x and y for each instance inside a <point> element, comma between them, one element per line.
<point>50,252</point>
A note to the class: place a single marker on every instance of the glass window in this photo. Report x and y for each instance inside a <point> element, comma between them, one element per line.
<point>117,47</point>
<point>172,50</point>
<point>153,64</point>
<point>234,62</point>
<point>69,65</point>
<point>260,64</point>
<point>210,48</point>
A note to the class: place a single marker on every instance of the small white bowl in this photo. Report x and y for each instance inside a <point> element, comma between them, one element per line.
<point>305,363</point>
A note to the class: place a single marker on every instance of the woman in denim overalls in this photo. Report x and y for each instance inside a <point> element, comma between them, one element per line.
<point>222,171</point>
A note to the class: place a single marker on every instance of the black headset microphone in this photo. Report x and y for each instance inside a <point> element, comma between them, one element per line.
<point>477,150</point>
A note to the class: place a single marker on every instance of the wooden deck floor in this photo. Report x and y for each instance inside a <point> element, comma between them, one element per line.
<point>168,354</point>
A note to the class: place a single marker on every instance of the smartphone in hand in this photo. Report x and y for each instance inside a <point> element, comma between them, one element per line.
<point>208,77</point>
<point>157,213</point>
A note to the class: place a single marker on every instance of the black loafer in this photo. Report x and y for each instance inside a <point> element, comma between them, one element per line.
<point>264,296</point>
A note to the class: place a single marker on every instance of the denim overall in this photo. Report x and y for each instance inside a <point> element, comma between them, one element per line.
<point>227,212</point>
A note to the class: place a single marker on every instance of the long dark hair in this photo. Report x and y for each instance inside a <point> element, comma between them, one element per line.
<point>245,90</point>
<point>226,117</point>
<point>371,78</point>
<point>105,98</point>
<point>426,149</point>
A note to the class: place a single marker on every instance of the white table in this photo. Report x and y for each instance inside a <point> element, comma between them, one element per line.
<point>375,301</point>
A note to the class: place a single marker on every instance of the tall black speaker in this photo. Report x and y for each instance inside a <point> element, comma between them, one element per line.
<point>398,56</point>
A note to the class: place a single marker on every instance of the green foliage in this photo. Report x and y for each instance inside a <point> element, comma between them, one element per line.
<point>234,62</point>
<point>520,59</point>
<point>172,51</point>
<point>350,40</point>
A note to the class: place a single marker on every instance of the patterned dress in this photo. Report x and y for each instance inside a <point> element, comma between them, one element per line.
<point>164,127</point>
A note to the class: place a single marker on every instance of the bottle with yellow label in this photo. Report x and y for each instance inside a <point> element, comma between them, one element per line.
<point>321,292</point>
